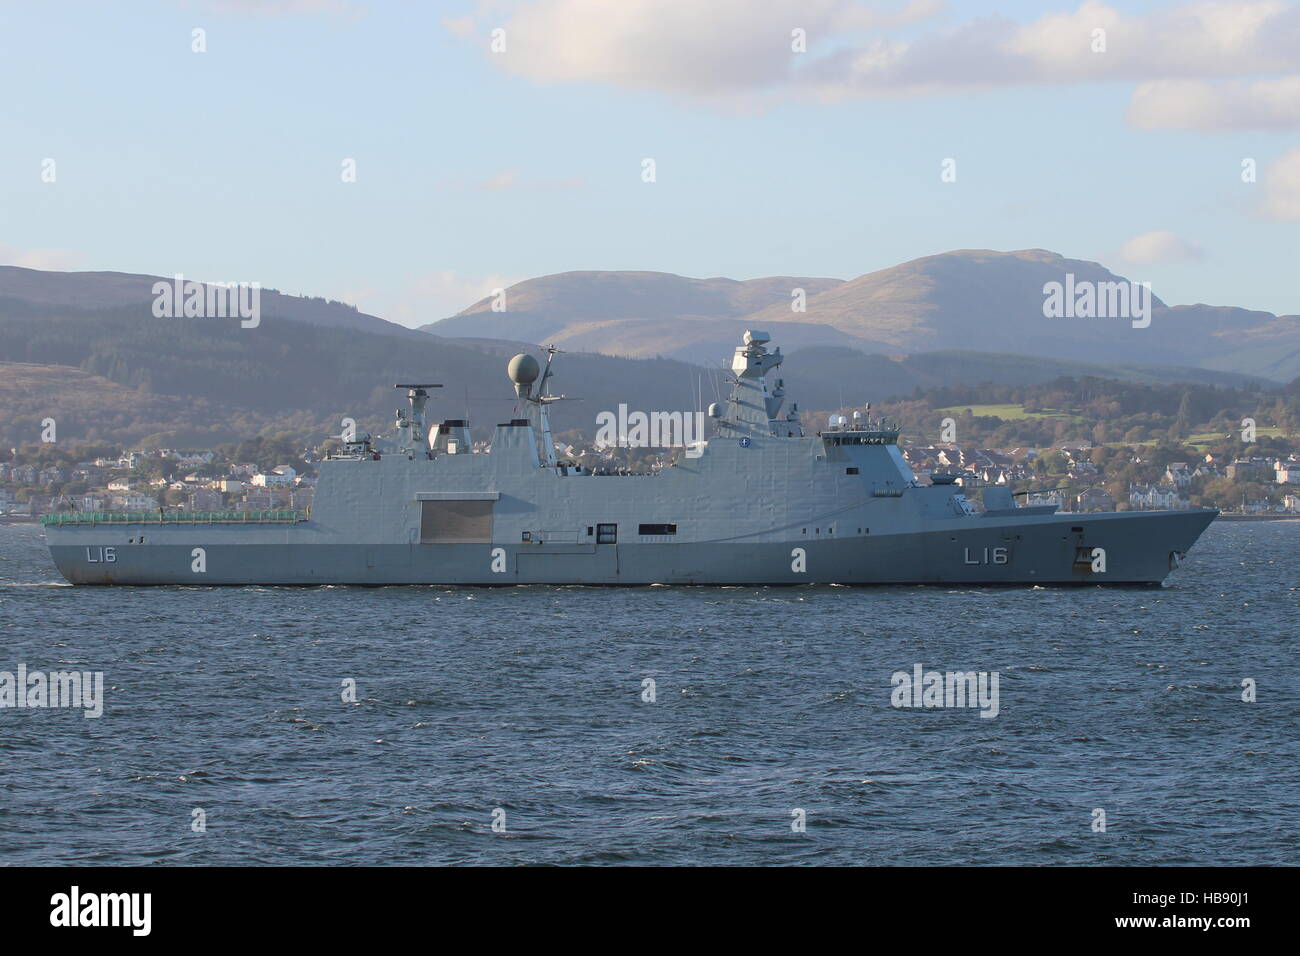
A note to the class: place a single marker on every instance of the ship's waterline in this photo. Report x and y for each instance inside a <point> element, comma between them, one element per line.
<point>759,502</point>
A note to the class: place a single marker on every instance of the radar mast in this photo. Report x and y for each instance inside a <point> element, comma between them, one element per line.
<point>525,372</point>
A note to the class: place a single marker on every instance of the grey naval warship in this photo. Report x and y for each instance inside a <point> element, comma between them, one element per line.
<point>759,502</point>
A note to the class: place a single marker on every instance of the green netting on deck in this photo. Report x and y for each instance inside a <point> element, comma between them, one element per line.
<point>171,517</point>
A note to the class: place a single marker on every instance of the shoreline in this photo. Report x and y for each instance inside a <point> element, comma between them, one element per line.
<point>1264,517</point>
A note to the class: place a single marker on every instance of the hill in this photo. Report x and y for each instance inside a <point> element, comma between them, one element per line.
<point>828,378</point>
<point>122,373</point>
<point>86,349</point>
<point>993,301</point>
<point>639,313</point>
<point>973,300</point>
<point>34,291</point>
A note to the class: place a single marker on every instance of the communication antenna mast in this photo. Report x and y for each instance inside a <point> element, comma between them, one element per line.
<point>532,385</point>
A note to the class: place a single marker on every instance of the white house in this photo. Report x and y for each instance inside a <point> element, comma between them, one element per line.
<point>1287,472</point>
<point>1155,497</point>
<point>134,502</point>
<point>279,476</point>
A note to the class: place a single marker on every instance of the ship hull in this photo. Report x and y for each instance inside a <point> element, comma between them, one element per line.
<point>1123,548</point>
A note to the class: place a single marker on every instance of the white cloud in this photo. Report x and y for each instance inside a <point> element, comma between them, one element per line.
<point>1281,183</point>
<point>1159,248</point>
<point>59,260</point>
<point>1213,38</point>
<point>739,49</point>
<point>720,47</point>
<point>1200,105</point>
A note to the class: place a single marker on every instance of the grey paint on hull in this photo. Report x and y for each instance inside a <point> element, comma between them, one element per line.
<point>1138,551</point>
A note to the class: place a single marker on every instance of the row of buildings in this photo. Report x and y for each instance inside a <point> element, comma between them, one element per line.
<point>993,467</point>
<point>117,484</point>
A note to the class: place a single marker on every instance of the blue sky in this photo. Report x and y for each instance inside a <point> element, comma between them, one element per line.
<point>475,169</point>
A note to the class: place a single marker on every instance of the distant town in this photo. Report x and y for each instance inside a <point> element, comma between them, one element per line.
<point>1078,476</point>
<point>43,479</point>
<point>267,474</point>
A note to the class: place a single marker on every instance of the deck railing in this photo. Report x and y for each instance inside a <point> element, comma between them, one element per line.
<point>172,517</point>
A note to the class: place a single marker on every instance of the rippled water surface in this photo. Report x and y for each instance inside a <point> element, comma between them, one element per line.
<point>768,700</point>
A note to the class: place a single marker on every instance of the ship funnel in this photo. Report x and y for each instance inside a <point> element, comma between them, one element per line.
<point>523,371</point>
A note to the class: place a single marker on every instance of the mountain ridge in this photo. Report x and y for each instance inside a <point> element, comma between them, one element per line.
<point>94,290</point>
<point>979,299</point>
<point>87,349</point>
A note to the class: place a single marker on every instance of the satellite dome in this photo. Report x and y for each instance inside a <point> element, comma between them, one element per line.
<point>523,369</point>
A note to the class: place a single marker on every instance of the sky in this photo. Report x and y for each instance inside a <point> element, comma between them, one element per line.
<point>409,158</point>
